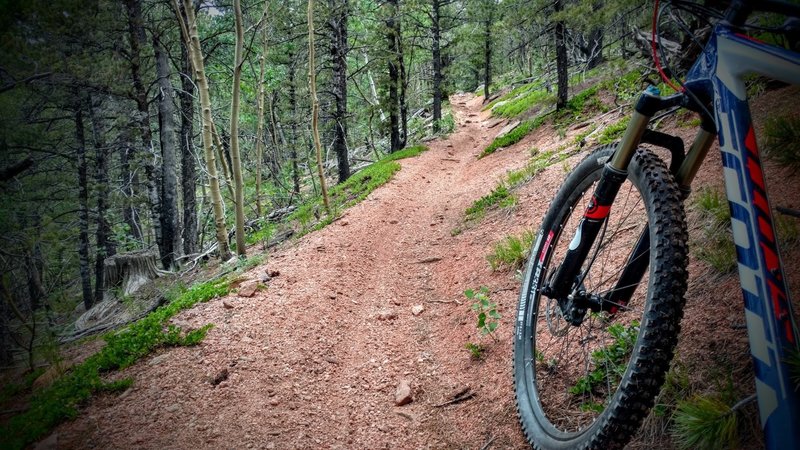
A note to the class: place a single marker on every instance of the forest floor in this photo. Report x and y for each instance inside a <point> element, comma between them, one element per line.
<point>374,300</point>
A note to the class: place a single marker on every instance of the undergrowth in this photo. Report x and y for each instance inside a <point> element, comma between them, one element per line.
<point>614,131</point>
<point>60,401</point>
<point>705,422</point>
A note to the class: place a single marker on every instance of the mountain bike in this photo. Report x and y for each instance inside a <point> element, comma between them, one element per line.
<point>603,292</point>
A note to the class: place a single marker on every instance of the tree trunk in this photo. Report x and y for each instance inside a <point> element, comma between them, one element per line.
<point>395,140</point>
<point>487,52</point>
<point>105,247</point>
<point>83,208</point>
<point>188,168</point>
<point>293,107</point>
<point>190,34</point>
<point>128,180</point>
<point>238,181</point>
<point>169,178</point>
<point>261,87</point>
<point>437,67</point>
<point>312,88</point>
<point>338,27</point>
<point>137,42</point>
<point>561,60</point>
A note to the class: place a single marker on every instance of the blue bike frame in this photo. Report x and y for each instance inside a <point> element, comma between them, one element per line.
<point>718,75</point>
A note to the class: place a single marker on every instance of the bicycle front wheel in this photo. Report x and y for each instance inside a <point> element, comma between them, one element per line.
<point>586,376</point>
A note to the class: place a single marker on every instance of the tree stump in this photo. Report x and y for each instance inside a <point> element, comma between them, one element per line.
<point>125,276</point>
<point>128,272</point>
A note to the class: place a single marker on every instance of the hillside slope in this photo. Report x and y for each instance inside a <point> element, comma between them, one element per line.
<point>314,360</point>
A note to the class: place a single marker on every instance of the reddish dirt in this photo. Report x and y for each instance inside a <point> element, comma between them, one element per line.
<point>314,360</point>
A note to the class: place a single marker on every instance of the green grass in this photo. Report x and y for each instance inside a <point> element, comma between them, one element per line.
<point>676,387</point>
<point>523,103</point>
<point>614,131</point>
<point>60,401</point>
<point>352,191</point>
<point>511,252</point>
<point>783,141</point>
<point>510,138</point>
<point>500,196</point>
<point>514,93</point>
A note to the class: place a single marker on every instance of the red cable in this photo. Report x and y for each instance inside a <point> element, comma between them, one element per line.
<point>655,52</point>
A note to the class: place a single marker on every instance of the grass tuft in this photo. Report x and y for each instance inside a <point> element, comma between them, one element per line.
<point>614,131</point>
<point>500,196</point>
<point>783,141</point>
<point>511,252</point>
<point>717,247</point>
<point>512,137</point>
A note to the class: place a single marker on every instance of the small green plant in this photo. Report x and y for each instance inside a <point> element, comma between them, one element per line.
<point>787,231</point>
<point>705,422</point>
<point>499,196</point>
<point>783,140</point>
<point>488,317</point>
<point>475,350</point>
<point>511,252</point>
<point>608,361</point>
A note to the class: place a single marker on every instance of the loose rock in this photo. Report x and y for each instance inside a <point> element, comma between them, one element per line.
<point>249,288</point>
<point>387,314</point>
<point>402,396</point>
<point>417,309</point>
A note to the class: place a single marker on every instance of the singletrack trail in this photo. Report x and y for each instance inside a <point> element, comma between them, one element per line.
<point>314,360</point>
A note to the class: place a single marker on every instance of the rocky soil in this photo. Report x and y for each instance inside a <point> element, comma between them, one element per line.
<point>358,342</point>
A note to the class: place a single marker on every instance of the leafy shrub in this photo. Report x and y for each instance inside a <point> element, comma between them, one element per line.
<point>488,317</point>
<point>609,361</point>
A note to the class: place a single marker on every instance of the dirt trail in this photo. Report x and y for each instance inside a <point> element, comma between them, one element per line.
<point>314,360</point>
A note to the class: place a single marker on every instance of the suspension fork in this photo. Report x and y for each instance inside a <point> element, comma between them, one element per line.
<point>639,259</point>
<point>614,174</point>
